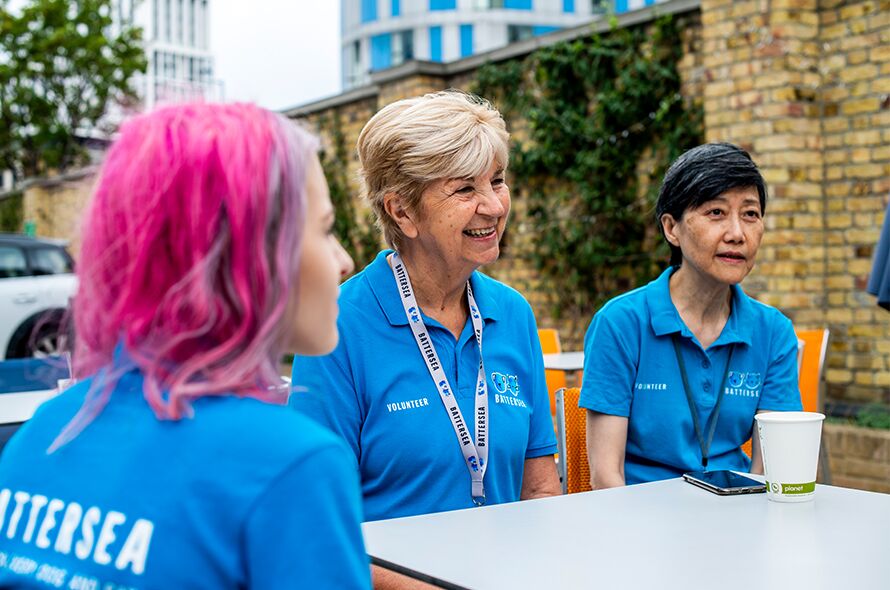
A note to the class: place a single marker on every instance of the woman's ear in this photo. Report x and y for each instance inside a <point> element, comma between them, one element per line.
<point>395,208</point>
<point>669,227</point>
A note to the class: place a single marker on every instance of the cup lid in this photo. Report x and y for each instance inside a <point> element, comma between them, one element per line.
<point>789,417</point>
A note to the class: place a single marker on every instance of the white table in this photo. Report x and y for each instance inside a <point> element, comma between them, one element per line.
<point>564,361</point>
<point>661,535</point>
<point>19,407</point>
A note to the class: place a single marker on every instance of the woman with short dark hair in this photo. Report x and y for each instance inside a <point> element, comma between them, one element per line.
<point>674,371</point>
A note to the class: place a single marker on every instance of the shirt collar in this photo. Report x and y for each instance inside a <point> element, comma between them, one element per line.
<point>386,291</point>
<point>665,319</point>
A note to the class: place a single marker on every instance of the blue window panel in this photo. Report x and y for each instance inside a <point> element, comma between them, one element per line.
<point>435,43</point>
<point>620,6</point>
<point>543,30</point>
<point>396,8</point>
<point>466,40</point>
<point>443,4</point>
<point>569,6</point>
<point>381,51</point>
<point>369,11</point>
<point>518,4</point>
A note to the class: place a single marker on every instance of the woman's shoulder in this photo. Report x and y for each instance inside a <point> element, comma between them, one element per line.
<point>630,305</point>
<point>491,288</point>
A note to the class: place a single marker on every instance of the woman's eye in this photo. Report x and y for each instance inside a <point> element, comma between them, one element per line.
<point>752,214</point>
<point>465,190</point>
<point>715,212</point>
<point>497,182</point>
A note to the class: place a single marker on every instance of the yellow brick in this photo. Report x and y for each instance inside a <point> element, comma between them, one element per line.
<point>879,53</point>
<point>853,138</point>
<point>838,376</point>
<point>837,221</point>
<point>865,171</point>
<point>881,153</point>
<point>861,72</point>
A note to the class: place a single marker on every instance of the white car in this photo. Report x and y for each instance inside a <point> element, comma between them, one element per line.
<point>36,284</point>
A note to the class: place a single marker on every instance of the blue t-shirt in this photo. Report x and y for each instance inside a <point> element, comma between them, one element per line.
<point>631,370</point>
<point>244,494</point>
<point>375,391</point>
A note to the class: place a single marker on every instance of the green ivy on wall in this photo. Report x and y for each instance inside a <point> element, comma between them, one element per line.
<point>594,110</point>
<point>12,213</point>
<point>361,240</point>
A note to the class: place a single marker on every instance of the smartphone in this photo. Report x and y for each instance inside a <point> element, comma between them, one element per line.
<point>724,483</point>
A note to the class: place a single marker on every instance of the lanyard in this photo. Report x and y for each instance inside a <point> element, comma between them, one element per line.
<point>711,424</point>
<point>475,455</point>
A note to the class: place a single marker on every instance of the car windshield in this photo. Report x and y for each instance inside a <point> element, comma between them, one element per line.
<point>49,261</point>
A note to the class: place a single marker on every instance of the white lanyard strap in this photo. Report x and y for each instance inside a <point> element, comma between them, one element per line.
<point>475,455</point>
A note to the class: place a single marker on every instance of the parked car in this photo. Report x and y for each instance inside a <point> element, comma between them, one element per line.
<point>36,283</point>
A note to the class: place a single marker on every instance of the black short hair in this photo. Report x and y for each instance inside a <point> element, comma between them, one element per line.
<point>704,173</point>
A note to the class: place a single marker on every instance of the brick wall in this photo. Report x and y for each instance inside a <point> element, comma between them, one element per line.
<point>858,457</point>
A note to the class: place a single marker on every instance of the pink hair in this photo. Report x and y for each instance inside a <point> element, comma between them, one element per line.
<point>190,248</point>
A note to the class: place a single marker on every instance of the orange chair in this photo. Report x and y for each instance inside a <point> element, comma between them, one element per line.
<point>571,442</point>
<point>810,362</point>
<point>555,379</point>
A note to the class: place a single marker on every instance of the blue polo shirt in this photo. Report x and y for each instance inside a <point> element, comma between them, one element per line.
<point>375,391</point>
<point>631,370</point>
<point>244,494</point>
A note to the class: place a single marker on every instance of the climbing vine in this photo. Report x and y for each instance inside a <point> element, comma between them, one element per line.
<point>359,237</point>
<point>589,115</point>
<point>11,213</point>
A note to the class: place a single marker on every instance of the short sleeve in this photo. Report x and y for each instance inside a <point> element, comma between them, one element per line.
<point>611,358</point>
<point>780,391</point>
<point>324,390</point>
<point>541,438</point>
<point>304,529</point>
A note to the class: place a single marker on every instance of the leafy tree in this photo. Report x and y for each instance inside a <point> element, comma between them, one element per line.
<point>61,64</point>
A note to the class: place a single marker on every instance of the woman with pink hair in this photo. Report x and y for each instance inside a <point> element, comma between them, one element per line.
<point>173,462</point>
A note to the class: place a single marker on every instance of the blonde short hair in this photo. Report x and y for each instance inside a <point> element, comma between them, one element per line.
<point>411,143</point>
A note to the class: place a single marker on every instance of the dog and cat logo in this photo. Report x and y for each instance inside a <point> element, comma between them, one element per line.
<point>507,384</point>
<point>746,384</point>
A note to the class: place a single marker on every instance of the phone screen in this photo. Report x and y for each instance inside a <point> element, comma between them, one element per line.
<point>725,482</point>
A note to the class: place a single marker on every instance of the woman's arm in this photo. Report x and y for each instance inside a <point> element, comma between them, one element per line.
<point>384,579</point>
<point>606,441</point>
<point>539,478</point>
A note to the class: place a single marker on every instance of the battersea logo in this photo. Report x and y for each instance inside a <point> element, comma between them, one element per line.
<point>744,384</point>
<point>474,311</point>
<point>443,387</point>
<point>412,314</point>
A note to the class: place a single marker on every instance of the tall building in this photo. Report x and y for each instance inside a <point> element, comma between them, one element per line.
<point>378,34</point>
<point>177,46</point>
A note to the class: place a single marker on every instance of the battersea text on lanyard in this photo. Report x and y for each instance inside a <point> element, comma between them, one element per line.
<point>711,424</point>
<point>475,455</point>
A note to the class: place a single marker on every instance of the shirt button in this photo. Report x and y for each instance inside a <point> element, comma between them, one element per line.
<point>706,386</point>
<point>706,364</point>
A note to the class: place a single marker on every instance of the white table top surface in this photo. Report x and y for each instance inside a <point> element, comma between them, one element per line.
<point>564,361</point>
<point>661,535</point>
<point>19,407</point>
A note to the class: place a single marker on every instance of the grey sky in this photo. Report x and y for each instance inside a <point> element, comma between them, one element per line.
<point>278,53</point>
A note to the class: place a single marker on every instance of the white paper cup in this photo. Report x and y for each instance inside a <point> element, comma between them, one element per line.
<point>789,442</point>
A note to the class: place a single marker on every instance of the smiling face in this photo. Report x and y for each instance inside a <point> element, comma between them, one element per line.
<point>460,220</point>
<point>719,238</point>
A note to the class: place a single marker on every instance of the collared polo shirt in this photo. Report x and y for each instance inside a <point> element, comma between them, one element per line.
<point>631,370</point>
<point>242,494</point>
<point>375,391</point>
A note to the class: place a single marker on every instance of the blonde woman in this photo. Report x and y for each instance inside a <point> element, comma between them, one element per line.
<point>437,384</point>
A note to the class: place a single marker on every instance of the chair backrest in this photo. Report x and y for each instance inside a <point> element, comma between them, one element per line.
<point>31,374</point>
<point>812,363</point>
<point>571,441</point>
<point>555,379</point>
